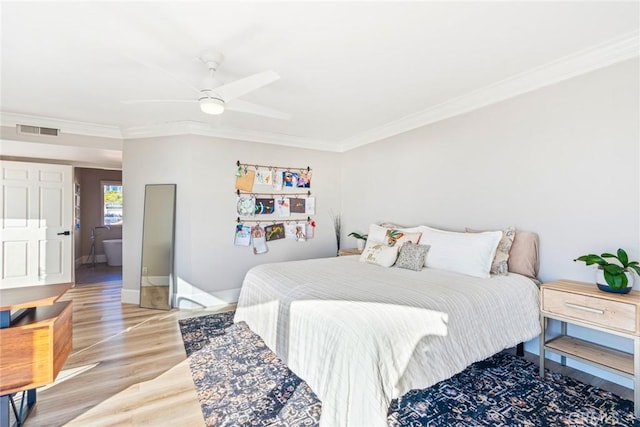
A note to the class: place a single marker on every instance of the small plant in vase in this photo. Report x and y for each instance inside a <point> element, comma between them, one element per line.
<point>614,277</point>
<point>361,239</point>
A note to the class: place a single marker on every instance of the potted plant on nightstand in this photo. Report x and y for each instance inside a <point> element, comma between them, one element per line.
<point>612,276</point>
<point>361,240</point>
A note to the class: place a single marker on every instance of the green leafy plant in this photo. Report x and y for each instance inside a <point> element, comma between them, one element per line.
<point>358,236</point>
<point>614,273</point>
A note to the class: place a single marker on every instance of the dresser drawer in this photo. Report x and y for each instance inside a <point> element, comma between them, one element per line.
<point>601,312</point>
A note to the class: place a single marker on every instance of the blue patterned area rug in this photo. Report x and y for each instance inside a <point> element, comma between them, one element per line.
<point>241,382</point>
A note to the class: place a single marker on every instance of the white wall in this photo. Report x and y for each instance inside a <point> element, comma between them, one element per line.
<point>209,268</point>
<point>562,161</point>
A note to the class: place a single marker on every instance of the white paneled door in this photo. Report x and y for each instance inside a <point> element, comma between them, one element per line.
<point>36,242</point>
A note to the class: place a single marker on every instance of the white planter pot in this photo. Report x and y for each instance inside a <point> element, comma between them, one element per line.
<point>361,243</point>
<point>603,285</point>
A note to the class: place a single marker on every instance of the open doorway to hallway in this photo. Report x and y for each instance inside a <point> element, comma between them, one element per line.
<point>98,225</point>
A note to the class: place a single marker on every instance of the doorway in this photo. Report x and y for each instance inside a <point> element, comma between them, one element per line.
<point>98,225</point>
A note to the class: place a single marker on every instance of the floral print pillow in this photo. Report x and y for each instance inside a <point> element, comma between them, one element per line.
<point>395,237</point>
<point>499,264</point>
<point>379,254</point>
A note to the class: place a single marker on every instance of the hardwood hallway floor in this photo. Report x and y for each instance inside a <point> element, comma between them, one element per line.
<point>130,366</point>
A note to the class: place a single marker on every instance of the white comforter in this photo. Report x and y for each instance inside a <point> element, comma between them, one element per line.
<point>361,335</point>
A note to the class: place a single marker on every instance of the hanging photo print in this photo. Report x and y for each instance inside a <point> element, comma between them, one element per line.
<point>244,182</point>
<point>258,240</point>
<point>264,206</point>
<point>283,208</point>
<point>264,176</point>
<point>243,235</point>
<point>296,232</point>
<point>289,179</point>
<point>304,180</point>
<point>290,231</point>
<point>276,180</point>
<point>300,233</point>
<point>246,205</point>
<point>310,228</point>
<point>297,205</point>
<point>274,232</point>
<point>310,206</point>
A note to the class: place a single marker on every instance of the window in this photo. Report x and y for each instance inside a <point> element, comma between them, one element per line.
<point>112,203</point>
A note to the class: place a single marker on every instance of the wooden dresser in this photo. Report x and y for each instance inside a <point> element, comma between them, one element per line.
<point>585,305</point>
<point>34,346</point>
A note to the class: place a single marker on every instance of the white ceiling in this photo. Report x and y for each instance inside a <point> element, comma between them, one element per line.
<point>351,73</point>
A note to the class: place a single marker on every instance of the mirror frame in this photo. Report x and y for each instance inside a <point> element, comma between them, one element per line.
<point>145,225</point>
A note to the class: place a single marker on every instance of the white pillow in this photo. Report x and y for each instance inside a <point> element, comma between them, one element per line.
<point>378,233</point>
<point>466,253</point>
<point>380,254</point>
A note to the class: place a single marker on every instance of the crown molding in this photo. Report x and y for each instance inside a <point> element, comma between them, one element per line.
<point>65,126</point>
<point>617,50</point>
<point>164,129</point>
<point>204,129</point>
<point>599,56</point>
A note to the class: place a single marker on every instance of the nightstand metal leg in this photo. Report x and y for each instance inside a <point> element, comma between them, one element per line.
<point>543,328</point>
<point>636,376</point>
<point>563,332</point>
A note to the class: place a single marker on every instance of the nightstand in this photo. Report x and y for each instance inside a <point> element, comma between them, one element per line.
<point>583,304</point>
<point>351,251</point>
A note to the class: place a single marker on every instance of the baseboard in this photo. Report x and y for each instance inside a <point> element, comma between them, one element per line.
<point>155,280</point>
<point>130,296</point>
<point>201,299</point>
<point>79,262</point>
<point>189,301</point>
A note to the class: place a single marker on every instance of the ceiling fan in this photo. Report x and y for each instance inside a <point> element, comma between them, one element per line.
<point>214,98</point>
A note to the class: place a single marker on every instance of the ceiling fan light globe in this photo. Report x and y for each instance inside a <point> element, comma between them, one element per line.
<point>212,106</point>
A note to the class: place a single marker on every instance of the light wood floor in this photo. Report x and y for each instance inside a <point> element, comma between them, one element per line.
<point>136,372</point>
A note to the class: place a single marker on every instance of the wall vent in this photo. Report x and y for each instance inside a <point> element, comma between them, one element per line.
<point>37,130</point>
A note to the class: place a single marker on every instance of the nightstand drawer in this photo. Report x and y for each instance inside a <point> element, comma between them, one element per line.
<point>601,312</point>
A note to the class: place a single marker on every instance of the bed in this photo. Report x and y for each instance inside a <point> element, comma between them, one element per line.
<point>361,335</point>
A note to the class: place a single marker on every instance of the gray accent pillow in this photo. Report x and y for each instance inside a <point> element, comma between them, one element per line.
<point>412,256</point>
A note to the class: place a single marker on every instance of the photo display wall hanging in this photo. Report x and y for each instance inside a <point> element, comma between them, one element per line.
<point>269,206</point>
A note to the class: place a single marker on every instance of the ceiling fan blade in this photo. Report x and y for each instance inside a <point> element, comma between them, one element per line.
<point>243,86</point>
<point>148,101</point>
<point>260,110</point>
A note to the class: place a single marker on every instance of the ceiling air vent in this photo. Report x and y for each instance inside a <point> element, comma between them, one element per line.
<point>37,130</point>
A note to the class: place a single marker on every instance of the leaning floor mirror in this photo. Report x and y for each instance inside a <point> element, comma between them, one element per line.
<point>156,278</point>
